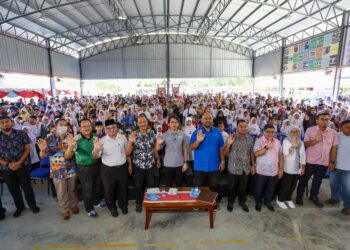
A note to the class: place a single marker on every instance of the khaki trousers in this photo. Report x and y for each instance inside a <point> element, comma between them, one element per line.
<point>66,193</point>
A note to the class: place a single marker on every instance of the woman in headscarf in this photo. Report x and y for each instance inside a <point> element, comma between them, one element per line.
<point>220,117</point>
<point>35,160</point>
<point>189,129</point>
<point>294,166</point>
<point>253,128</point>
<point>262,122</point>
<point>285,126</point>
<point>310,118</point>
<point>297,121</point>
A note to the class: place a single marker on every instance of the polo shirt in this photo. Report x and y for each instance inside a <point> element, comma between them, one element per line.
<point>83,152</point>
<point>113,150</point>
<point>207,155</point>
<point>174,144</point>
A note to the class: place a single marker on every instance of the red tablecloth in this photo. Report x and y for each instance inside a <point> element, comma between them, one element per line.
<point>182,196</point>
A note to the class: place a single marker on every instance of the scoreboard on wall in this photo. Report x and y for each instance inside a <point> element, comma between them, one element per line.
<point>317,53</point>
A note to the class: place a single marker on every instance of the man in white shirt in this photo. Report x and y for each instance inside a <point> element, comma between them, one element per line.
<point>114,169</point>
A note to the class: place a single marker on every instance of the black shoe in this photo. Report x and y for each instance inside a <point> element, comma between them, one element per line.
<point>244,207</point>
<point>270,207</point>
<point>299,200</point>
<point>114,212</point>
<point>18,212</point>
<point>316,202</point>
<point>258,207</point>
<point>2,213</point>
<point>125,210</point>
<point>138,208</point>
<point>35,209</point>
<point>230,206</point>
<point>332,201</point>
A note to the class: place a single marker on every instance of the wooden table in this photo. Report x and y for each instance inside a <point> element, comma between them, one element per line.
<point>159,206</point>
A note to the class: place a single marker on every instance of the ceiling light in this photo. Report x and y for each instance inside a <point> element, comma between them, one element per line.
<point>196,40</point>
<point>138,40</point>
<point>289,16</point>
<point>43,17</point>
<point>122,16</point>
<point>214,15</point>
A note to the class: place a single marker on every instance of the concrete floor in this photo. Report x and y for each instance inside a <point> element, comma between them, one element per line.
<point>301,228</point>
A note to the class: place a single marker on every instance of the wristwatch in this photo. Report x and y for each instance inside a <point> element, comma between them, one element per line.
<point>222,161</point>
<point>332,162</point>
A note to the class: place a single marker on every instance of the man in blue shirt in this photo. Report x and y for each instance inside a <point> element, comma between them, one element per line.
<point>340,175</point>
<point>209,157</point>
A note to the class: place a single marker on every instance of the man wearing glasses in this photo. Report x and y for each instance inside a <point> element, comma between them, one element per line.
<point>114,169</point>
<point>321,152</point>
<point>87,167</point>
<point>269,167</point>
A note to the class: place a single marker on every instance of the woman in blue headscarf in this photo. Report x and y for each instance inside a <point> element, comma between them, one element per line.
<point>294,166</point>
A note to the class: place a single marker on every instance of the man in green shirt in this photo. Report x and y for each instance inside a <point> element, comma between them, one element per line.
<point>87,167</point>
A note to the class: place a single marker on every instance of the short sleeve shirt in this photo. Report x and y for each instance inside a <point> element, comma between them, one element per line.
<point>268,164</point>
<point>207,155</point>
<point>239,155</point>
<point>12,147</point>
<point>60,168</point>
<point>143,151</point>
<point>174,144</point>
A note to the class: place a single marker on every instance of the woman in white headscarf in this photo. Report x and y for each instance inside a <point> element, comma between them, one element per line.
<point>253,128</point>
<point>285,126</point>
<point>262,122</point>
<point>35,160</point>
<point>297,121</point>
<point>294,166</point>
<point>189,129</point>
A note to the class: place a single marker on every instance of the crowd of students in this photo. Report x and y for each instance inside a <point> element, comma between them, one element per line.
<point>267,147</point>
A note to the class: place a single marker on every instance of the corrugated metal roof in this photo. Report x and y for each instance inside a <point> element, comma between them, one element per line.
<point>262,19</point>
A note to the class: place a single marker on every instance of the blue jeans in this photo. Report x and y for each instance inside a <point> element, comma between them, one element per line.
<point>340,186</point>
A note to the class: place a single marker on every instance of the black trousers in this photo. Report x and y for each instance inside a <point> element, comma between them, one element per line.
<point>143,177</point>
<point>89,178</point>
<point>318,171</point>
<point>15,180</point>
<point>172,174</point>
<point>213,181</point>
<point>237,185</point>
<point>264,188</point>
<point>115,185</point>
<point>288,184</point>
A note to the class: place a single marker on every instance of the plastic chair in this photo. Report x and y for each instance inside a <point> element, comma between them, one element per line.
<point>43,172</point>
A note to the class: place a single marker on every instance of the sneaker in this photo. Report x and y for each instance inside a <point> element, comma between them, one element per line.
<point>92,214</point>
<point>290,204</point>
<point>102,204</point>
<point>281,204</point>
